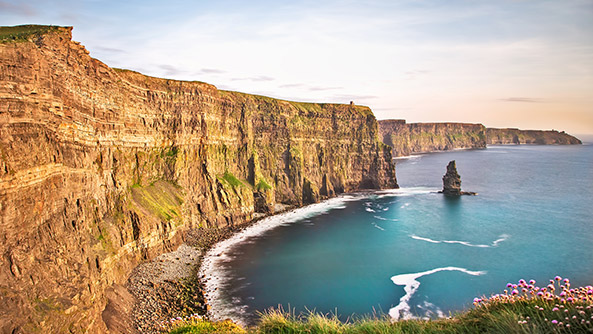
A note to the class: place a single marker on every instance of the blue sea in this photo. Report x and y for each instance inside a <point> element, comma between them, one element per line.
<point>413,252</point>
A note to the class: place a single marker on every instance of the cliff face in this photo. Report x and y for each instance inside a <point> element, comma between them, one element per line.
<point>409,138</point>
<point>102,168</point>
<point>516,136</point>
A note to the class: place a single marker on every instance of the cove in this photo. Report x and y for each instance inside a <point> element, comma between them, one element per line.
<point>413,252</point>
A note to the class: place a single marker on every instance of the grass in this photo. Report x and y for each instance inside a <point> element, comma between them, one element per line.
<point>232,180</point>
<point>522,308</point>
<point>262,185</point>
<point>162,199</point>
<point>195,325</point>
<point>24,32</point>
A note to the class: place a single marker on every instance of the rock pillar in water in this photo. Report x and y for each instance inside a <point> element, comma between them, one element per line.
<point>451,180</point>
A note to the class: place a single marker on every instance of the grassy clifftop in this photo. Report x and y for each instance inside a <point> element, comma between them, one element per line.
<point>25,32</point>
<point>522,308</point>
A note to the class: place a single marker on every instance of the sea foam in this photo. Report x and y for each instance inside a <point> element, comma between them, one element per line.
<point>495,243</point>
<point>410,284</point>
<point>408,191</point>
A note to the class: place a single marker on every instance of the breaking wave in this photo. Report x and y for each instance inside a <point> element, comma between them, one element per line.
<point>495,243</point>
<point>410,284</point>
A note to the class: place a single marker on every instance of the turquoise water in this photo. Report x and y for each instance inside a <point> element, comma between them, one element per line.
<point>418,253</point>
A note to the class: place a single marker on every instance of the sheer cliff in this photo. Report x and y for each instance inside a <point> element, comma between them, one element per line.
<point>409,138</point>
<point>515,136</point>
<point>101,169</point>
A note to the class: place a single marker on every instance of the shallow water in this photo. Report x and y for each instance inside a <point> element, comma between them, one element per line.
<point>416,253</point>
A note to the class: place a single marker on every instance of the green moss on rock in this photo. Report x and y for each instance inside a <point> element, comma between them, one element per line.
<point>162,199</point>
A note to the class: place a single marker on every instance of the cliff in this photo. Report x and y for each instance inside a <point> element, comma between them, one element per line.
<point>409,138</point>
<point>515,136</point>
<point>101,169</point>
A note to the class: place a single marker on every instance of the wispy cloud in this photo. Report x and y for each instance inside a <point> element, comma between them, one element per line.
<point>210,71</point>
<point>294,85</point>
<point>413,74</point>
<point>18,9</point>
<point>171,70</point>
<point>256,78</point>
<point>523,99</point>
<point>109,49</point>
<point>317,88</point>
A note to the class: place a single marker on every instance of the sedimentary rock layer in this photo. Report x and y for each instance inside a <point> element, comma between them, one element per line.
<point>409,138</point>
<point>496,136</point>
<point>102,168</point>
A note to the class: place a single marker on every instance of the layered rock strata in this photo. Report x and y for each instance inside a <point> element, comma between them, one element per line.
<point>496,136</point>
<point>101,169</point>
<point>410,138</point>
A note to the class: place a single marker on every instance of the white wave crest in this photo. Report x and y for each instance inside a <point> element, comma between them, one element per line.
<point>409,191</point>
<point>410,284</point>
<point>495,243</point>
<point>408,157</point>
<point>379,227</point>
<point>213,262</point>
<point>387,219</point>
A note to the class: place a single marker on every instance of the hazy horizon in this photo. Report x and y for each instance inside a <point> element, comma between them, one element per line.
<point>509,63</point>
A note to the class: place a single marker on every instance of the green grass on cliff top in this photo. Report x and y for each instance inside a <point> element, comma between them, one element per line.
<point>499,318</point>
<point>24,32</point>
<point>523,308</point>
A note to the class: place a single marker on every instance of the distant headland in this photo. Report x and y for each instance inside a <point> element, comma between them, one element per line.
<point>410,138</point>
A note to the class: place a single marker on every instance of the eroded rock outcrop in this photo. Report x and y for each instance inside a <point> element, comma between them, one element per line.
<point>101,169</point>
<point>452,181</point>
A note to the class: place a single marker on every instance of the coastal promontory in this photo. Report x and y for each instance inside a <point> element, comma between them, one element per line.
<point>411,138</point>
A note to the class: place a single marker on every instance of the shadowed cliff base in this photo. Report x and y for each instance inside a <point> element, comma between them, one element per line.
<point>410,138</point>
<point>103,169</point>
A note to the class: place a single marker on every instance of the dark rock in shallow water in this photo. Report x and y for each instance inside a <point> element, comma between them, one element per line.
<point>452,182</point>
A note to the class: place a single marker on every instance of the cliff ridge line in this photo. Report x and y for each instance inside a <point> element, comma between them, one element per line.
<point>411,138</point>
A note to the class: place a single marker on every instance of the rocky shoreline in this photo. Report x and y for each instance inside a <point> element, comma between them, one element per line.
<point>169,286</point>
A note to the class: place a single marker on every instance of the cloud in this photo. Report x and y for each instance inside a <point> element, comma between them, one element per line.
<point>108,49</point>
<point>523,99</point>
<point>20,9</point>
<point>294,85</point>
<point>170,70</point>
<point>355,97</point>
<point>413,74</point>
<point>257,78</point>
<point>316,88</point>
<point>210,71</point>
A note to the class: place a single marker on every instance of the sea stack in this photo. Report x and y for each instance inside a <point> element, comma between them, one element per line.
<point>452,182</point>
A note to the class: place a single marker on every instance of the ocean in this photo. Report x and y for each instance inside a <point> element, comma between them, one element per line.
<point>413,252</point>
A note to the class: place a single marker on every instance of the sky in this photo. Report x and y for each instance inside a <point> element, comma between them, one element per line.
<point>502,63</point>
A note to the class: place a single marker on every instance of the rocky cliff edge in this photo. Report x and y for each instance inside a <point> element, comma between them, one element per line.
<point>101,169</point>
